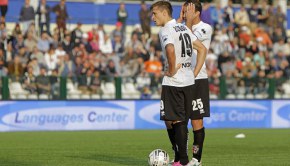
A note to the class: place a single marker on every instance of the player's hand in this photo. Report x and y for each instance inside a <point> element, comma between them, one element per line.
<point>190,12</point>
<point>181,15</point>
<point>168,74</point>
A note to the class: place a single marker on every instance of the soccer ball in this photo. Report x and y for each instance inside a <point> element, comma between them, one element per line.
<point>158,157</point>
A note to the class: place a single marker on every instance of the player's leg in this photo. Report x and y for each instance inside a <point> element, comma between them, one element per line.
<point>171,135</point>
<point>198,138</point>
<point>181,137</point>
<point>200,109</point>
<point>172,109</point>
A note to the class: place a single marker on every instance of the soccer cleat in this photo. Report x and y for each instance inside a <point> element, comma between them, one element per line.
<point>176,164</point>
<point>194,162</point>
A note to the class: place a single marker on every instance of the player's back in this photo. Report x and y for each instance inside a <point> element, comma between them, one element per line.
<point>181,37</point>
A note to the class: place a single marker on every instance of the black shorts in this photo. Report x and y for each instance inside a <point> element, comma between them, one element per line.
<point>176,103</point>
<point>200,103</point>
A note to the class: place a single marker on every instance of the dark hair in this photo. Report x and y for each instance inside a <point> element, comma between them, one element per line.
<point>197,4</point>
<point>163,5</point>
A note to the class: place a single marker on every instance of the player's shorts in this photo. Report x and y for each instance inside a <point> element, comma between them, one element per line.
<point>175,104</point>
<point>200,103</point>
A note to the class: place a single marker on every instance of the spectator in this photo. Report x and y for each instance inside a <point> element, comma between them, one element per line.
<point>50,61</point>
<point>111,71</point>
<point>241,89</point>
<point>77,34</point>
<point>244,35</point>
<point>146,93</point>
<point>101,32</point>
<point>122,16</point>
<point>277,35</point>
<point>253,13</point>
<point>3,30</point>
<point>60,53</point>
<point>206,14</point>
<point>92,33</point>
<point>138,30</point>
<point>17,30</point>
<point>242,17</point>
<point>44,42</point>
<point>66,67</point>
<point>67,44</point>
<point>153,66</point>
<point>15,69</point>
<point>229,14</point>
<point>86,44</point>
<point>263,14</point>
<point>95,85</point>
<point>35,66</point>
<point>42,82</point>
<point>27,15</point>
<point>134,42</point>
<point>38,55</point>
<point>280,19</point>
<point>95,44</point>
<point>54,82</point>
<point>3,8</point>
<point>61,17</point>
<point>29,81</point>
<point>217,16</point>
<point>30,42</point>
<point>106,46</point>
<point>117,32</point>
<point>260,58</point>
<point>117,45</point>
<point>279,46</point>
<point>85,81</point>
<point>23,56</point>
<point>155,83</point>
<point>262,36</point>
<point>43,12</point>
<point>145,19</point>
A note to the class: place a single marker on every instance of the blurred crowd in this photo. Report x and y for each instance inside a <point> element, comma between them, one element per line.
<point>247,44</point>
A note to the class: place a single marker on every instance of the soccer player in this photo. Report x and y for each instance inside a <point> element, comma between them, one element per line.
<point>200,103</point>
<point>177,43</point>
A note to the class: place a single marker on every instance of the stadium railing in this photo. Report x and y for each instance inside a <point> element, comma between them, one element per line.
<point>147,87</point>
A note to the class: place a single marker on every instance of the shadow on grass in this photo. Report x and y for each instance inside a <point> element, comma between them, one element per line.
<point>5,162</point>
<point>120,160</point>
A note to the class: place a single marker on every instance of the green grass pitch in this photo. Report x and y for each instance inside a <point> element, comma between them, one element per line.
<point>261,147</point>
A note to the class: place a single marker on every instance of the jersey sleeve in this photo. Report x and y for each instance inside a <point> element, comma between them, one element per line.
<point>166,37</point>
<point>203,33</point>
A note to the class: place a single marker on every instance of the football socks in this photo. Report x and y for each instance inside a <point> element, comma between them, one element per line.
<point>181,138</point>
<point>198,137</point>
<point>173,143</point>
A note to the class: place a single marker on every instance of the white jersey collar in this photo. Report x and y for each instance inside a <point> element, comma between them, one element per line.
<point>173,21</point>
<point>196,25</point>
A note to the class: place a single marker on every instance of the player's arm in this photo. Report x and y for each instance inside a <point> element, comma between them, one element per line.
<point>201,54</point>
<point>170,53</point>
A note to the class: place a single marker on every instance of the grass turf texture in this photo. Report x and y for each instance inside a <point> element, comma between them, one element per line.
<point>119,148</point>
